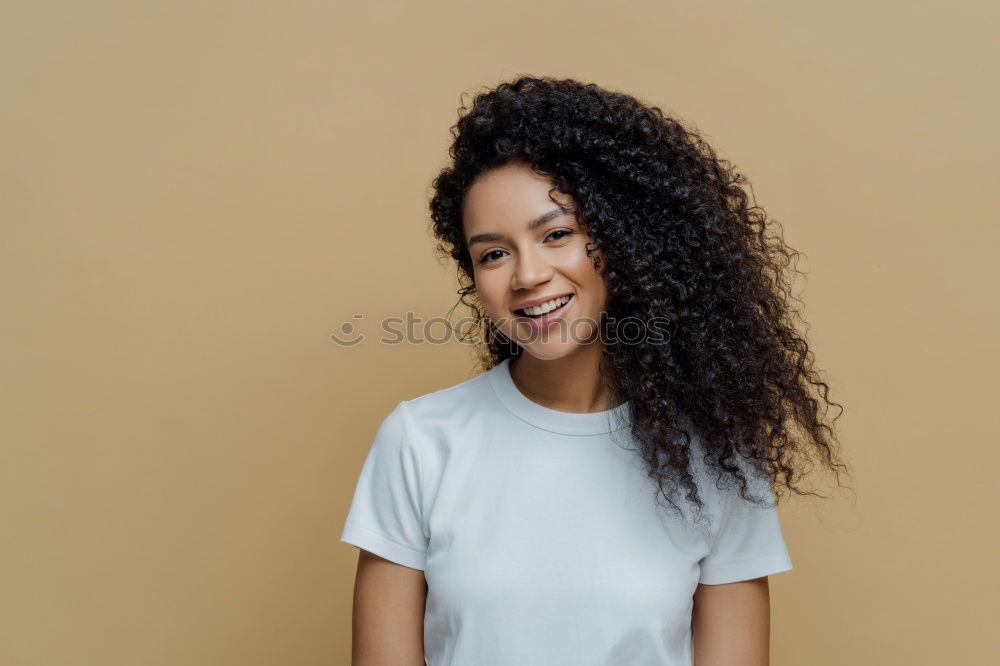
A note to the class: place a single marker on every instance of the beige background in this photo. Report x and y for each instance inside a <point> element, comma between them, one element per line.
<point>196,194</point>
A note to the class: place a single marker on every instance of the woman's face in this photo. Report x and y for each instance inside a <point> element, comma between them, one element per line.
<point>526,250</point>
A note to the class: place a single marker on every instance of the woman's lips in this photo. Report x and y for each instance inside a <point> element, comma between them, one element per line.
<point>546,319</point>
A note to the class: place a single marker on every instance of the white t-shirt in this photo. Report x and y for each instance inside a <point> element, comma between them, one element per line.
<point>539,535</point>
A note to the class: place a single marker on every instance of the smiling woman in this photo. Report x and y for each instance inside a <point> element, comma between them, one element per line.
<point>516,517</point>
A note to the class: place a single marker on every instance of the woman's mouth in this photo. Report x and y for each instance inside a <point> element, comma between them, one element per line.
<point>546,318</point>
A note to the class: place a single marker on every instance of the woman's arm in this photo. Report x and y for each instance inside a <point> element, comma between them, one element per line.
<point>388,624</point>
<point>731,624</point>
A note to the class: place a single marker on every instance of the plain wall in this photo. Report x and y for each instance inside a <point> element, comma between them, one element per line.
<point>194,195</point>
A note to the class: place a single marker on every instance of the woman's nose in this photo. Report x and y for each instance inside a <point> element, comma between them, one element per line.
<point>531,269</point>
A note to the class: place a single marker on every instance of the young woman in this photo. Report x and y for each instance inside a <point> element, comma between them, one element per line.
<point>638,346</point>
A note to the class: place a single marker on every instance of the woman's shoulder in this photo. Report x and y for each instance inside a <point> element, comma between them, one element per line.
<point>451,402</point>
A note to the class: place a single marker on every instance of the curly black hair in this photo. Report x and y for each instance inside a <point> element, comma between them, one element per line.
<point>682,241</point>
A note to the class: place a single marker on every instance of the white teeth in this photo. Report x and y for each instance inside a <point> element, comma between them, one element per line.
<point>547,307</point>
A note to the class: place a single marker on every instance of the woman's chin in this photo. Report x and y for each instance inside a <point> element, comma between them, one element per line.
<point>552,351</point>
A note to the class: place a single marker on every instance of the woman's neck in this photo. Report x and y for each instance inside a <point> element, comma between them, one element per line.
<point>568,384</point>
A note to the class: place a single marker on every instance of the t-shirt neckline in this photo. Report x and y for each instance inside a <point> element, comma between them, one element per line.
<point>553,420</point>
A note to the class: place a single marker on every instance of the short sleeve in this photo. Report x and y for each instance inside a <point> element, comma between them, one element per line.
<point>748,542</point>
<point>385,514</point>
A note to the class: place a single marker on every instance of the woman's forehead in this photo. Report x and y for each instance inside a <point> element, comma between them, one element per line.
<point>511,195</point>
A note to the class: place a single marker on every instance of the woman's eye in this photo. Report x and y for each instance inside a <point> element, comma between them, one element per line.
<point>487,257</point>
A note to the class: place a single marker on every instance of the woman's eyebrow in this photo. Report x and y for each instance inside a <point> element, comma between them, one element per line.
<point>537,222</point>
